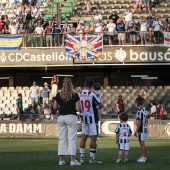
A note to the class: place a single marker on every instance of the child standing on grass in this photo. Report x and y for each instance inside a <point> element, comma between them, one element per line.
<point>123,132</point>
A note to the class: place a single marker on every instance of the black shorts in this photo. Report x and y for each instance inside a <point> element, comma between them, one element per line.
<point>21,112</point>
<point>157,34</point>
<point>111,37</point>
<point>33,2</point>
<point>25,2</point>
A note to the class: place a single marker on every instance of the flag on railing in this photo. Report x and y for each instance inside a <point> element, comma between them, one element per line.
<point>84,46</point>
<point>10,42</point>
<point>167,38</point>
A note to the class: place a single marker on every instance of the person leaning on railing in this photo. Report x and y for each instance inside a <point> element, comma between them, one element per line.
<point>29,38</point>
<point>121,31</point>
<point>38,35</point>
<point>143,30</point>
<point>89,29</point>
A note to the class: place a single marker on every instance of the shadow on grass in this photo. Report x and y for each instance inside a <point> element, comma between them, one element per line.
<point>158,158</point>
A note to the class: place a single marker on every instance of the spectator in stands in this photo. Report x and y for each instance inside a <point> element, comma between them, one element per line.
<point>114,16</point>
<point>167,25</point>
<point>1,27</point>
<point>65,30</point>
<point>147,5</point>
<point>151,20</point>
<point>5,30</point>
<point>49,34</point>
<point>17,9</point>
<point>72,29</point>
<point>57,31</point>
<point>99,26</point>
<point>34,95</point>
<point>142,94</point>
<point>34,11</point>
<point>128,18</point>
<point>89,7</point>
<point>47,112</point>
<point>54,84</point>
<point>23,32</point>
<point>33,3</point>
<point>29,30</point>
<point>4,10</point>
<point>120,105</point>
<point>138,5</point>
<point>111,27</point>
<point>132,33</point>
<point>19,107</point>
<point>53,107</point>
<point>160,110</point>
<point>39,20</point>
<point>89,29</point>
<point>153,110</point>
<point>97,17</point>
<point>121,31</point>
<point>24,3</point>
<point>143,30</point>
<point>45,94</point>
<point>69,103</point>
<point>14,27</point>
<point>80,29</point>
<point>28,17</point>
<point>39,35</point>
<point>157,24</point>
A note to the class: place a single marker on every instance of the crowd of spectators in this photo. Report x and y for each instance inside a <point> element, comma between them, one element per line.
<point>119,29</point>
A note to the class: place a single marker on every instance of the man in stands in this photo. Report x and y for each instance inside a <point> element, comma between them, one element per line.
<point>49,34</point>
<point>97,17</point>
<point>39,35</point>
<point>151,20</point>
<point>128,18</point>
<point>132,32</point>
<point>29,30</point>
<point>121,31</point>
<point>34,95</point>
<point>157,27</point>
<point>99,26</point>
<point>114,16</point>
<point>14,27</point>
<point>57,31</point>
<point>89,101</point>
<point>111,27</point>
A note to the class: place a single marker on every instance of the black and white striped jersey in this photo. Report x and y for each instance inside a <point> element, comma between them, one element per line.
<point>142,114</point>
<point>89,101</point>
<point>123,130</point>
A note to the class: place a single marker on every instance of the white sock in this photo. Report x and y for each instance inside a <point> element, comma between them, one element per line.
<point>82,152</point>
<point>92,153</point>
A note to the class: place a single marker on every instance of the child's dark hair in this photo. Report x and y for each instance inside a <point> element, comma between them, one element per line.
<point>97,86</point>
<point>47,106</point>
<point>124,116</point>
<point>19,94</point>
<point>89,82</point>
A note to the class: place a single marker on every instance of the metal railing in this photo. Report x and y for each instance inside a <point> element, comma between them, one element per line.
<point>54,40</point>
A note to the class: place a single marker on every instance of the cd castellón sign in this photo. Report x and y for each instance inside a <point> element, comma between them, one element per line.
<point>112,55</point>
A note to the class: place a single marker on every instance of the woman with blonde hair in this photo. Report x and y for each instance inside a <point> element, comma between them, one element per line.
<point>69,103</point>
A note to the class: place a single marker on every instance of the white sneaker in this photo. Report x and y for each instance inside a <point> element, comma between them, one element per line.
<point>142,159</point>
<point>81,160</point>
<point>62,162</point>
<point>118,161</point>
<point>126,161</point>
<point>75,163</point>
<point>94,161</point>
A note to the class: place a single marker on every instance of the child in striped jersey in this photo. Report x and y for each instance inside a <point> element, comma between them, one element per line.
<point>123,132</point>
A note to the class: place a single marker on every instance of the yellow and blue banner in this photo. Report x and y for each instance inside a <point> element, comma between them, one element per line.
<point>10,42</point>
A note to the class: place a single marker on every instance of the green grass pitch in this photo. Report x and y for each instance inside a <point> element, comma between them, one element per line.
<point>41,154</point>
